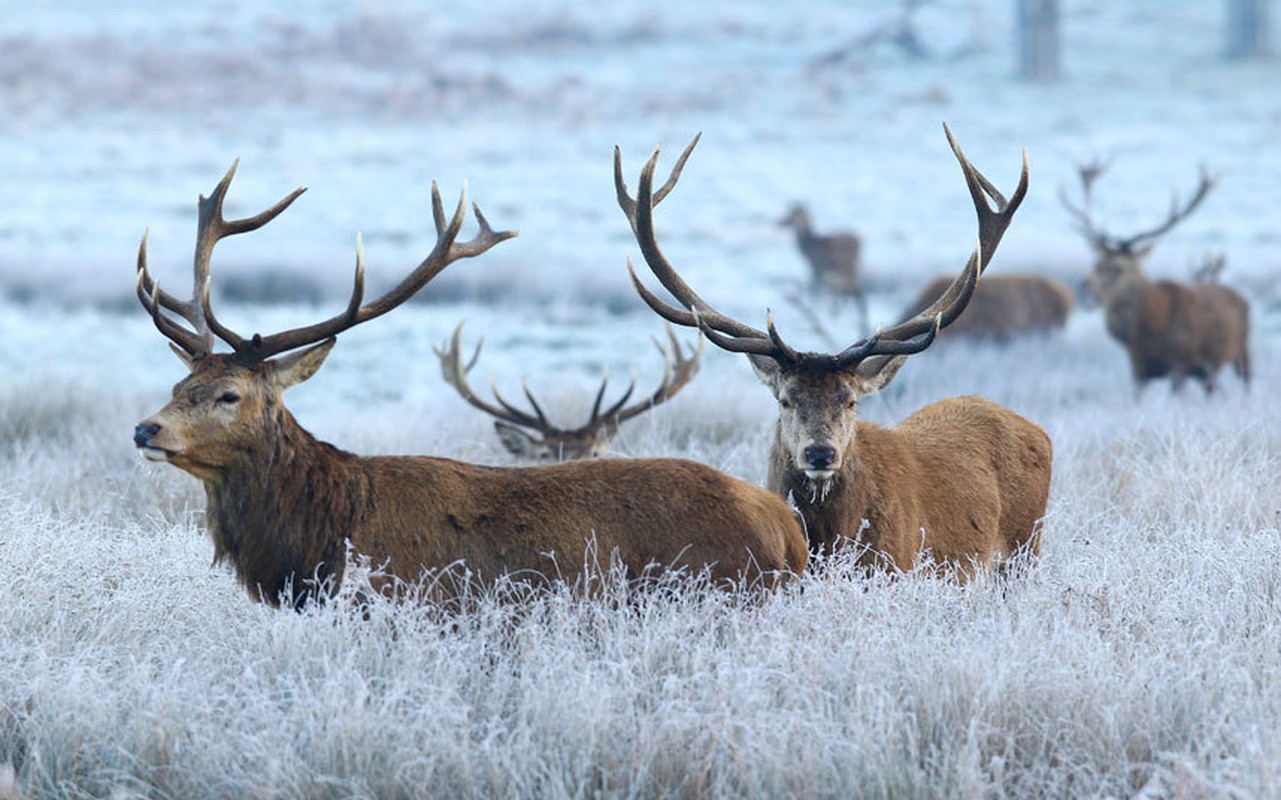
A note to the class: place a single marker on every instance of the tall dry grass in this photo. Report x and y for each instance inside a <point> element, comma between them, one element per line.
<point>1138,656</point>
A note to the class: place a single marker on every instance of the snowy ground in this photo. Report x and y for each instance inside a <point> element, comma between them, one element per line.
<point>1141,652</point>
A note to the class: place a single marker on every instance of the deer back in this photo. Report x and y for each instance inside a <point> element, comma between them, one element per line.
<point>1004,306</point>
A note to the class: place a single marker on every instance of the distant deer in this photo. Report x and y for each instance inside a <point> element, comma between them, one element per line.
<point>1183,330</point>
<point>1003,307</point>
<point>281,505</point>
<point>548,442</point>
<point>833,258</point>
<point>963,478</point>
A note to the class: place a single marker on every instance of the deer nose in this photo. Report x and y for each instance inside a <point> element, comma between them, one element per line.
<point>144,433</point>
<point>819,456</point>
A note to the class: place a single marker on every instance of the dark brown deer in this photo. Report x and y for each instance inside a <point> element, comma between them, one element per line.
<point>532,436</point>
<point>963,478</point>
<point>282,506</point>
<point>834,258</point>
<point>1183,330</point>
<point>1004,307</point>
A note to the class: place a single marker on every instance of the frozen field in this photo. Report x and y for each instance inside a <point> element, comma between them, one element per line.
<point>1139,657</point>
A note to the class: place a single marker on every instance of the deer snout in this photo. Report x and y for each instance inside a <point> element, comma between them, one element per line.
<point>819,457</point>
<point>144,438</point>
<point>144,432</point>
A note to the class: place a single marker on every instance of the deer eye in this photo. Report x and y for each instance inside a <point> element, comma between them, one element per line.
<point>783,402</point>
<point>227,398</point>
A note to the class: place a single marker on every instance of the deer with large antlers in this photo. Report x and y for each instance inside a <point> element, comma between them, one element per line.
<point>962,478</point>
<point>282,506</point>
<point>533,436</point>
<point>1183,330</point>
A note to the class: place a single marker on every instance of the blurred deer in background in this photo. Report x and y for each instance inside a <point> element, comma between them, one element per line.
<point>282,506</point>
<point>963,478</point>
<point>833,259</point>
<point>533,436</point>
<point>1183,330</point>
<point>1003,307</point>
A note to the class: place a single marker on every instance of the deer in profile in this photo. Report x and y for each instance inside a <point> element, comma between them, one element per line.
<point>1183,330</point>
<point>1004,307</point>
<point>834,258</point>
<point>282,506</point>
<point>532,436</point>
<point>962,478</point>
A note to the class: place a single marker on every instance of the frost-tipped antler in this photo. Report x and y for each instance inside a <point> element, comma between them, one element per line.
<point>211,227</point>
<point>910,336</point>
<point>679,369</point>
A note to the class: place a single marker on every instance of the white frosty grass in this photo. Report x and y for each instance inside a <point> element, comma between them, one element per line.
<point>1141,654</point>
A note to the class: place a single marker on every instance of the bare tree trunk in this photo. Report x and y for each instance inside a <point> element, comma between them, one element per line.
<point>1038,40</point>
<point>1247,29</point>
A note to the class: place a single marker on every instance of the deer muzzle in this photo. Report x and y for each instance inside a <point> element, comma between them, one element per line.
<point>144,435</point>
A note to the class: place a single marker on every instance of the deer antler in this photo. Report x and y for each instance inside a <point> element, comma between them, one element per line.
<point>212,227</point>
<point>678,370</point>
<point>1101,240</point>
<point>910,336</point>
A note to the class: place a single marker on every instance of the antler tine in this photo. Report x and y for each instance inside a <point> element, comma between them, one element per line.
<point>1205,183</point>
<point>723,331</point>
<point>917,333</point>
<point>446,251</point>
<point>195,342</point>
<point>455,374</point>
<point>678,370</point>
<point>213,227</point>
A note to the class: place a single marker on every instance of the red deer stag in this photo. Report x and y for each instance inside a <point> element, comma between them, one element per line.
<point>962,478</point>
<point>548,442</point>
<point>1184,330</point>
<point>281,505</point>
<point>1003,307</point>
<point>833,258</point>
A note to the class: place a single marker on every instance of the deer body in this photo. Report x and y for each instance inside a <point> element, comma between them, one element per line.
<point>1004,306</point>
<point>963,478</point>
<point>833,257</point>
<point>282,506</point>
<point>1180,330</point>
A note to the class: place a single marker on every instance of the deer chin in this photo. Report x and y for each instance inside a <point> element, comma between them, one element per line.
<point>154,454</point>
<point>820,482</point>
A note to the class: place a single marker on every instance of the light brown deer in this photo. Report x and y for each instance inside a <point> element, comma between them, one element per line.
<point>533,436</point>
<point>962,478</point>
<point>1004,307</point>
<point>833,258</point>
<point>1183,330</point>
<point>281,505</point>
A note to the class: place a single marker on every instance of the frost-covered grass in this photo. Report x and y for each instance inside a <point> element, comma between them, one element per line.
<point>1139,654</point>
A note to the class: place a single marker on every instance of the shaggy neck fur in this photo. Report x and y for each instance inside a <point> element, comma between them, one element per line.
<point>282,513</point>
<point>1122,310</point>
<point>837,513</point>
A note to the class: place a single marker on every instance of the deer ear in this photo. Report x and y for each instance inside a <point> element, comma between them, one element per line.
<point>519,443</point>
<point>875,374</point>
<point>182,355</point>
<point>297,367</point>
<point>766,369</point>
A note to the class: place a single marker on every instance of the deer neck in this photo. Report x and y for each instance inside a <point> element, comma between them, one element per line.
<point>838,514</point>
<point>1123,305</point>
<point>281,513</point>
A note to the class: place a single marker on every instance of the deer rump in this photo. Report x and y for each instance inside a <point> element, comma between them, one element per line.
<point>1184,330</point>
<point>1003,307</point>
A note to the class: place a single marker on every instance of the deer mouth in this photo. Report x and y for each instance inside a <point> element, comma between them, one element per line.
<point>152,453</point>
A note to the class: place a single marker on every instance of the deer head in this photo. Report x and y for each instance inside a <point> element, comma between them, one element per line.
<point>817,393</point>
<point>533,436</point>
<point>223,410</point>
<point>1118,261</point>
